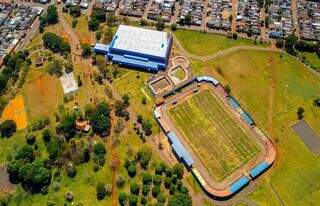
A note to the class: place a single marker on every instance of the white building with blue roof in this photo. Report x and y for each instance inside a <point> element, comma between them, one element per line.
<point>135,47</point>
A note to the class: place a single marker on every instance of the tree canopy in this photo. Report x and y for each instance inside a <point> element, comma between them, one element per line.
<point>8,128</point>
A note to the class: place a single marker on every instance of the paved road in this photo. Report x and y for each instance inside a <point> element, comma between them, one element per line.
<point>29,35</point>
<point>294,10</point>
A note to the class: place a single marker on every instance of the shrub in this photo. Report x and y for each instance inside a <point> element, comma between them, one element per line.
<point>120,182</point>
<point>146,178</point>
<point>145,190</point>
<point>132,170</point>
<point>8,128</point>
<point>155,191</point>
<point>71,170</point>
<point>101,191</point>
<point>134,188</point>
<point>30,139</point>
<point>123,198</point>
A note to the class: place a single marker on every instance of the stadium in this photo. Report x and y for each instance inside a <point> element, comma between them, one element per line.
<point>138,48</point>
<point>215,138</point>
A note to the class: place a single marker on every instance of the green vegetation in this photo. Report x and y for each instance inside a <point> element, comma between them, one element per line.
<point>207,43</point>
<point>232,145</point>
<point>312,59</point>
<point>178,73</point>
<point>7,128</point>
<point>278,80</point>
<point>98,16</point>
<point>51,17</point>
<point>55,43</point>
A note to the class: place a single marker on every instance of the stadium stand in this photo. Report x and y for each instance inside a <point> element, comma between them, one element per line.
<point>179,149</point>
<point>259,169</point>
<point>239,184</point>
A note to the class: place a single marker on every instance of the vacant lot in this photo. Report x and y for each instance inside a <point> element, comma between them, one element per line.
<point>218,139</point>
<point>15,111</point>
<point>272,86</point>
<point>199,43</point>
<point>43,96</point>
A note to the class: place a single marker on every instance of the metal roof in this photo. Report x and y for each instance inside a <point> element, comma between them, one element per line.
<point>240,183</point>
<point>142,41</point>
<point>179,149</point>
<point>257,170</point>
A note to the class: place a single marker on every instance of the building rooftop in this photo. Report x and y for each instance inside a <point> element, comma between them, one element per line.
<point>142,41</point>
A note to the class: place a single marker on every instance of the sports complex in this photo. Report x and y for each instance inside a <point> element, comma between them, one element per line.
<point>214,136</point>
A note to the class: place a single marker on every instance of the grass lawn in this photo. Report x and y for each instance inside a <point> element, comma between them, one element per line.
<point>178,73</point>
<point>199,43</point>
<point>134,84</point>
<point>223,145</point>
<point>252,78</point>
<point>81,28</point>
<point>312,59</point>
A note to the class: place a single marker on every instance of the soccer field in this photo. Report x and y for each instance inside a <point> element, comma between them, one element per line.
<point>220,142</point>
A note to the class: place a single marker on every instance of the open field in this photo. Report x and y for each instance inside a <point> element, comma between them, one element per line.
<point>43,96</point>
<point>271,86</point>
<point>81,28</point>
<point>221,143</point>
<point>199,43</point>
<point>15,111</point>
<point>312,59</point>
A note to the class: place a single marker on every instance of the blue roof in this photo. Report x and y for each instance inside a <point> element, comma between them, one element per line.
<point>101,48</point>
<point>257,170</point>
<point>135,61</point>
<point>233,102</point>
<point>240,183</point>
<point>179,149</point>
<point>246,117</point>
<point>208,79</point>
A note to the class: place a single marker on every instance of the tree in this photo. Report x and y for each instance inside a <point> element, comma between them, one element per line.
<point>177,169</point>
<point>101,191</point>
<point>3,84</point>
<point>300,113</point>
<point>93,24</point>
<point>145,190</point>
<point>144,156</point>
<point>55,68</point>
<point>180,200</point>
<point>30,139</point>
<point>146,178</point>
<point>67,125</point>
<point>167,182</point>
<point>74,23</point>
<point>86,50</point>
<point>143,200</point>
<point>100,119</point>
<point>133,200</point>
<point>52,15</point>
<point>123,198</point>
<point>25,153</point>
<point>46,135</point>
<point>290,42</point>
<point>120,182</point>
<point>235,36</point>
<point>99,149</point>
<point>132,171</point>
<point>134,188</point>
<point>69,67</point>
<point>188,19</point>
<point>144,100</point>
<point>99,14</point>
<point>75,11</point>
<point>8,128</point>
<point>155,190</point>
<point>111,20</point>
<point>157,180</point>
<point>71,170</point>
<point>147,127</point>
<point>160,24</point>
<point>55,43</point>
<point>54,148</point>
<point>161,198</point>
<point>173,27</point>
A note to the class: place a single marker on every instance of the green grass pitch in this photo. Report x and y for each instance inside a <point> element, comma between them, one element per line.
<point>218,139</point>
